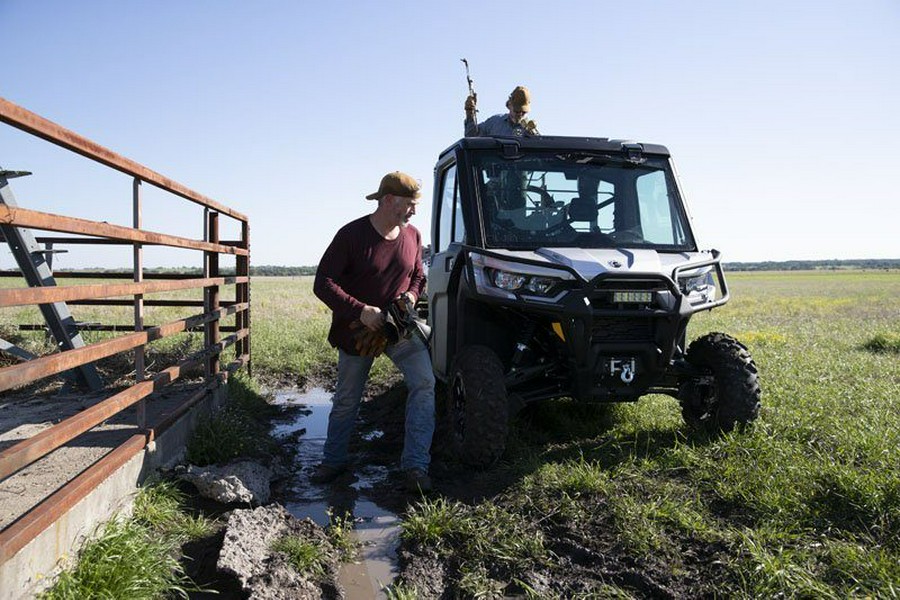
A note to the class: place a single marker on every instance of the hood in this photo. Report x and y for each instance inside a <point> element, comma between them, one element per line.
<point>590,262</point>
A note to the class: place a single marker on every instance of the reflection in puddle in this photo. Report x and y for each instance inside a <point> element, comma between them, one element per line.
<point>373,435</point>
<point>375,528</point>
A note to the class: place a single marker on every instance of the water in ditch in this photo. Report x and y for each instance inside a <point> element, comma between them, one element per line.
<point>376,529</point>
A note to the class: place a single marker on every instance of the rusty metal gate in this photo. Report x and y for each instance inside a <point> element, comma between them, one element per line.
<point>122,293</point>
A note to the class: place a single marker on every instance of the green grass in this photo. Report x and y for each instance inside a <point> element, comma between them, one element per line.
<point>884,342</point>
<point>239,430</point>
<point>160,507</point>
<point>340,534</point>
<point>137,557</point>
<point>401,591</point>
<point>305,556</point>
<point>806,503</point>
<point>483,542</point>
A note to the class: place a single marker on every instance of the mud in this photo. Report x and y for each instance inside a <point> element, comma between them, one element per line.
<point>586,559</point>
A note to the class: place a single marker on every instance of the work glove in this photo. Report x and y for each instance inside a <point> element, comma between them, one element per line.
<point>471,100</point>
<point>531,127</point>
<point>368,342</point>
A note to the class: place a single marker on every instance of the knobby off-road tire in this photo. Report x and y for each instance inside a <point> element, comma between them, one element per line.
<point>729,396</point>
<point>477,408</point>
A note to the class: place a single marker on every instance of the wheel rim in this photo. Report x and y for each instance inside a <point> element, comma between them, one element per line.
<point>706,395</point>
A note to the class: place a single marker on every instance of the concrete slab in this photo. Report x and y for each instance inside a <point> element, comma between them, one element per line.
<point>32,569</point>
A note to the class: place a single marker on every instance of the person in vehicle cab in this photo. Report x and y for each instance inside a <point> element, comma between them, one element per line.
<point>511,124</point>
<point>372,262</point>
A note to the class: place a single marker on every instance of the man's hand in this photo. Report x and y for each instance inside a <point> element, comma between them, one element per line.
<point>470,104</point>
<point>407,300</point>
<point>372,318</point>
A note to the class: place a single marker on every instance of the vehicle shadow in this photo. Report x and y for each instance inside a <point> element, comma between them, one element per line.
<point>557,431</point>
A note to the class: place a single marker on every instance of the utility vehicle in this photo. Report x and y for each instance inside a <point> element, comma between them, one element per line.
<point>565,266</point>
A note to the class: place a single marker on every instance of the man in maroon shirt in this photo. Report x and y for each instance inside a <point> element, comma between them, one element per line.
<point>373,261</point>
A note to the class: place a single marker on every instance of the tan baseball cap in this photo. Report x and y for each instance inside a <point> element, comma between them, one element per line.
<point>520,99</point>
<point>396,184</point>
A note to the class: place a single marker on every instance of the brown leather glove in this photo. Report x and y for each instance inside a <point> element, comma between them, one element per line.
<point>368,342</point>
<point>531,127</point>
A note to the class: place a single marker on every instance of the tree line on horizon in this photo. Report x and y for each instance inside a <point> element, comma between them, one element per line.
<point>768,265</point>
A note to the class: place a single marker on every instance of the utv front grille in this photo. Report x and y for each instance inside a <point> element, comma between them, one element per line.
<point>618,329</point>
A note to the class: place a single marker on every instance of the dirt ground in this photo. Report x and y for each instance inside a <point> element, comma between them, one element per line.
<point>587,559</point>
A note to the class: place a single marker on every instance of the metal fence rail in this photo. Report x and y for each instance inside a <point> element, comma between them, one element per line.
<point>209,246</point>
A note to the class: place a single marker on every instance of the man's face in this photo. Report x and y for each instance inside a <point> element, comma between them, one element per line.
<point>402,209</point>
<point>516,114</point>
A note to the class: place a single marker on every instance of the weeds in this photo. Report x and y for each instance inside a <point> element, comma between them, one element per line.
<point>486,541</point>
<point>340,534</point>
<point>401,591</point>
<point>238,430</point>
<point>305,556</point>
<point>160,506</point>
<point>884,343</point>
<point>136,557</point>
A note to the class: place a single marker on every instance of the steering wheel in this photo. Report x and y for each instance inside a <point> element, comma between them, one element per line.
<point>547,200</point>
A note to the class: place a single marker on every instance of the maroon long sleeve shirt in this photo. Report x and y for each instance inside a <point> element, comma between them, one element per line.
<point>362,268</point>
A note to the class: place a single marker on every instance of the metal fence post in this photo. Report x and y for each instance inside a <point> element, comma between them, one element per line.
<point>211,299</point>
<point>139,362</point>
<point>242,294</point>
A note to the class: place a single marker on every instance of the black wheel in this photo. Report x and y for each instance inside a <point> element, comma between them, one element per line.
<point>728,394</point>
<point>477,408</point>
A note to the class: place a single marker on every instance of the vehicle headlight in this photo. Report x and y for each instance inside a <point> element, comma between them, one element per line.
<point>541,285</point>
<point>699,286</point>
<point>511,281</point>
<point>508,281</point>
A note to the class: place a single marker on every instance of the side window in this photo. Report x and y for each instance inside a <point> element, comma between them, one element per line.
<point>447,209</point>
<point>459,227</point>
<point>655,209</point>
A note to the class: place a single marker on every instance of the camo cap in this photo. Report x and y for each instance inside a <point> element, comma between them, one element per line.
<point>520,99</point>
<point>396,184</point>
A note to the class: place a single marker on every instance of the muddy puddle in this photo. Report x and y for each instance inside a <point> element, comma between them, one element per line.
<point>376,529</point>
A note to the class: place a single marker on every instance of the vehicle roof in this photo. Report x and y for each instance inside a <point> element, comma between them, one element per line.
<point>555,142</point>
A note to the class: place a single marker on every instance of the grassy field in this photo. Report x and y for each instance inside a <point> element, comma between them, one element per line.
<point>804,504</point>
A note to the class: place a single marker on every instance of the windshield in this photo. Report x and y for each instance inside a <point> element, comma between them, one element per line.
<point>588,201</point>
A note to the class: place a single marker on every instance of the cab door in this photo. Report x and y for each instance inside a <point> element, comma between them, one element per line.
<point>447,233</point>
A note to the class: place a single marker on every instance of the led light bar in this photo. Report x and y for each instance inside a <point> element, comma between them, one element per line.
<point>632,297</point>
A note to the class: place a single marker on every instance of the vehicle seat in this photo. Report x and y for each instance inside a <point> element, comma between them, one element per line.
<point>583,209</point>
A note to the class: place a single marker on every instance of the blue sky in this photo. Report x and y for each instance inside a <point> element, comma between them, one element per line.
<point>782,117</point>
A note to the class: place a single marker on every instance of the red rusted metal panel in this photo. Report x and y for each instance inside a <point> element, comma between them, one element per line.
<point>27,451</point>
<point>20,296</point>
<point>22,217</point>
<point>17,535</point>
<point>34,124</point>
<point>27,372</point>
